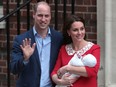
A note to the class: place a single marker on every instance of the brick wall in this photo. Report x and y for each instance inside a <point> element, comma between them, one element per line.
<point>84,8</point>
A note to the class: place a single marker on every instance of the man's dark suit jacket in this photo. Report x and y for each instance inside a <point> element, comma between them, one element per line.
<point>29,75</point>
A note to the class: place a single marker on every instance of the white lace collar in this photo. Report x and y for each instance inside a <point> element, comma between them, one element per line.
<point>70,50</point>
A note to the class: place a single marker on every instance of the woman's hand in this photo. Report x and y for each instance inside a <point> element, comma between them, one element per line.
<point>66,80</point>
<point>64,74</point>
<point>27,49</point>
<point>62,70</point>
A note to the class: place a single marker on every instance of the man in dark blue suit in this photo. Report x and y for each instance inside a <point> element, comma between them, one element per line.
<point>35,52</point>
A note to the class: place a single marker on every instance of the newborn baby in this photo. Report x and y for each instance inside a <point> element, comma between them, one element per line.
<point>77,60</point>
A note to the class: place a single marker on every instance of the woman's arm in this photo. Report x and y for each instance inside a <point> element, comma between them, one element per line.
<point>66,80</point>
<point>74,70</point>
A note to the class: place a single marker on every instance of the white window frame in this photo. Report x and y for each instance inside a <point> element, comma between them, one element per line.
<point>2,23</point>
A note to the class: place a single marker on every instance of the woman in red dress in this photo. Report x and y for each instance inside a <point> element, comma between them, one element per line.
<point>74,43</point>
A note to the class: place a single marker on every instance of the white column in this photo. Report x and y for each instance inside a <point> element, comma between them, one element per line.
<point>101,40</point>
<point>106,37</point>
<point>108,50</point>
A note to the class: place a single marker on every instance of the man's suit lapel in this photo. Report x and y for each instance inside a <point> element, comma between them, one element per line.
<point>52,50</point>
<point>35,54</point>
